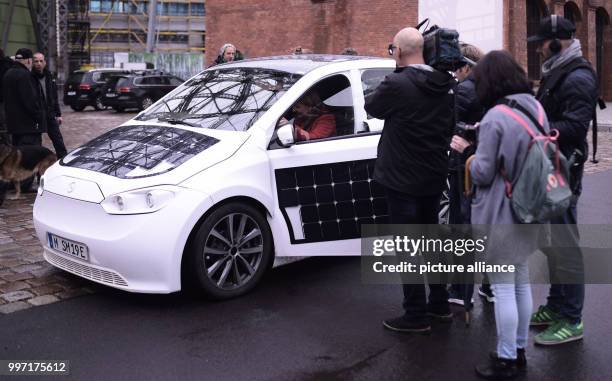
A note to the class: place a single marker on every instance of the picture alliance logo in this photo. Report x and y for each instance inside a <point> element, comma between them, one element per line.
<point>424,246</point>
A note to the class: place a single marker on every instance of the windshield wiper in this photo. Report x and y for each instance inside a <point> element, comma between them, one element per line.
<point>178,121</point>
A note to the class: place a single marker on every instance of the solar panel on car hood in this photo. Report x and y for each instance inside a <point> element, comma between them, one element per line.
<point>139,151</point>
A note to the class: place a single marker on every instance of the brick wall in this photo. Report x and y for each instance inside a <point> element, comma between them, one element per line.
<point>270,27</point>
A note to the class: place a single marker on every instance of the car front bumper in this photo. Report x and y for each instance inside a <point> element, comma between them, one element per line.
<point>137,253</point>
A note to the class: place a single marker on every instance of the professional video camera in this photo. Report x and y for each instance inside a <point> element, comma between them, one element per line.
<point>441,50</point>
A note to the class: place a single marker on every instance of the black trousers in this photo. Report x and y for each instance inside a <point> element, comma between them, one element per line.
<point>53,130</point>
<point>405,209</point>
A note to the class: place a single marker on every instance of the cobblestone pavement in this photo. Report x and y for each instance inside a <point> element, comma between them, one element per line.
<point>26,280</point>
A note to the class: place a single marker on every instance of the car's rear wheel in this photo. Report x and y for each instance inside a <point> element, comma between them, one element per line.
<point>145,103</point>
<point>77,108</point>
<point>98,105</point>
<point>230,252</point>
<point>118,109</point>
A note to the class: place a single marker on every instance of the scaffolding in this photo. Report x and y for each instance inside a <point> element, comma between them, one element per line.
<point>122,26</point>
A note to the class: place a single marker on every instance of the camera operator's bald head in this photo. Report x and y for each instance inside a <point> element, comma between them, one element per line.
<point>410,44</point>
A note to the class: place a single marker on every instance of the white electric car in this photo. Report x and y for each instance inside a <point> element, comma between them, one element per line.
<point>204,188</point>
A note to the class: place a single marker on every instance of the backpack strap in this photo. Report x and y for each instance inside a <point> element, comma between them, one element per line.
<point>506,106</point>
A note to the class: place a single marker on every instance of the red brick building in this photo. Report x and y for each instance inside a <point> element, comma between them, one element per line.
<point>271,27</point>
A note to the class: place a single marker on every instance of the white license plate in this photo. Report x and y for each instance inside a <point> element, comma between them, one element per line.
<point>67,246</point>
<point>71,93</point>
<point>111,95</point>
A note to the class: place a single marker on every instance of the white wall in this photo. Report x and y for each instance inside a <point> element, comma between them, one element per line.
<point>479,22</point>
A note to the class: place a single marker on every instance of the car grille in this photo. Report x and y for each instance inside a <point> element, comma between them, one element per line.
<point>85,271</point>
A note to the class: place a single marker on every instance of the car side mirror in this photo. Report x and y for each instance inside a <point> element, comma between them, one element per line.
<point>285,135</point>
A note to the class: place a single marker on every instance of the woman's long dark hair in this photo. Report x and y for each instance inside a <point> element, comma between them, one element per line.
<point>498,75</point>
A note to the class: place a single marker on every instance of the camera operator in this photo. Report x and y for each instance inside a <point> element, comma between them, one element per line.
<point>417,103</point>
<point>469,112</point>
<point>568,92</point>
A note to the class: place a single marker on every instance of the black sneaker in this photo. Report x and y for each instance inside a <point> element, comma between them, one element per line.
<point>521,359</point>
<point>498,369</point>
<point>487,294</point>
<point>406,324</point>
<point>455,297</point>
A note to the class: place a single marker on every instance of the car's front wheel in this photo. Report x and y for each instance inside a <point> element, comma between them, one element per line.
<point>77,108</point>
<point>231,251</point>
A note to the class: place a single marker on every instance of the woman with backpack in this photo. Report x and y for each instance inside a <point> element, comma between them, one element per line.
<point>503,145</point>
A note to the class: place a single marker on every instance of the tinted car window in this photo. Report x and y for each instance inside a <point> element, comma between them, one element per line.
<point>175,81</point>
<point>151,81</point>
<point>75,78</point>
<point>227,99</point>
<point>123,82</point>
<point>164,80</point>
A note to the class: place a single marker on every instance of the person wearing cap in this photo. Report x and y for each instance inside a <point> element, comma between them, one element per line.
<point>23,102</point>
<point>568,91</point>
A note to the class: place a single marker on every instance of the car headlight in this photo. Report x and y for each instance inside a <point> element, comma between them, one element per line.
<point>146,200</point>
<point>41,186</point>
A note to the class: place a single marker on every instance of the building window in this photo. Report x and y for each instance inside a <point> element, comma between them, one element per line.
<point>198,9</point>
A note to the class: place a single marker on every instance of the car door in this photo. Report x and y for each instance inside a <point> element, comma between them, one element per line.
<point>324,188</point>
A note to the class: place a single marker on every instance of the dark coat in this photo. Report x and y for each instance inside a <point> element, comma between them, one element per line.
<point>570,107</point>
<point>417,104</point>
<point>23,102</point>
<point>51,99</point>
<point>468,107</point>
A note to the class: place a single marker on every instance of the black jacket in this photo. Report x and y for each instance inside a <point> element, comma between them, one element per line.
<point>469,111</point>
<point>51,98</point>
<point>5,64</point>
<point>570,106</point>
<point>418,108</point>
<point>468,107</point>
<point>23,101</point>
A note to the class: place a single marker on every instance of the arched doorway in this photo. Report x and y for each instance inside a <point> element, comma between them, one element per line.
<point>602,37</point>
<point>536,9</point>
<point>572,13</point>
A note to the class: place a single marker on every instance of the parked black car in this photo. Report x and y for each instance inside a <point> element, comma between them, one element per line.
<point>84,87</point>
<point>138,91</point>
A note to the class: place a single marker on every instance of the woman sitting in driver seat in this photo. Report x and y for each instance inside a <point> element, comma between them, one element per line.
<point>312,119</point>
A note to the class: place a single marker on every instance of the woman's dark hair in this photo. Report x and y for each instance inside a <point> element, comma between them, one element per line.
<point>498,75</point>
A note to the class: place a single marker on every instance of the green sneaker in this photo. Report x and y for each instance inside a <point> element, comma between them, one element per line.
<point>544,316</point>
<point>559,333</point>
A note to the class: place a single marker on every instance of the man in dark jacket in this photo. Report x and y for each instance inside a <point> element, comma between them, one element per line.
<point>568,91</point>
<point>23,102</point>
<point>54,114</point>
<point>417,104</point>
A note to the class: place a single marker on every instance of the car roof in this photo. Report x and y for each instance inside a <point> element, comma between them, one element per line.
<point>297,64</point>
<point>102,70</point>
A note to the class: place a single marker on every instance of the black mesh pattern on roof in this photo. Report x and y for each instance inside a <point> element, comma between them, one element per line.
<point>138,151</point>
<point>229,99</point>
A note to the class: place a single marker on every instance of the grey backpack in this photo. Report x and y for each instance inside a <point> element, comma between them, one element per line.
<point>541,190</point>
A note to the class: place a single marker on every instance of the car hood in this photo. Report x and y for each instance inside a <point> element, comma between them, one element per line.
<point>135,156</point>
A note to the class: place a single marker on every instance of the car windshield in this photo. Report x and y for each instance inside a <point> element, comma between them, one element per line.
<point>225,99</point>
<point>120,82</point>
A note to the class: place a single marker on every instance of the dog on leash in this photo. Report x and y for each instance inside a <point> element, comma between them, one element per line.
<point>20,163</point>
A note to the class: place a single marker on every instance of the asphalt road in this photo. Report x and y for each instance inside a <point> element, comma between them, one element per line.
<point>312,320</point>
